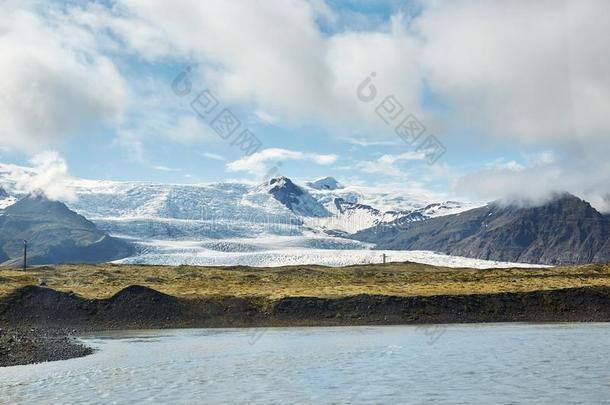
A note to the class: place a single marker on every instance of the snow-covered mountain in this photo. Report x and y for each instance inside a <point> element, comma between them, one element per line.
<point>276,223</point>
<point>354,208</point>
<point>237,210</point>
<point>229,223</point>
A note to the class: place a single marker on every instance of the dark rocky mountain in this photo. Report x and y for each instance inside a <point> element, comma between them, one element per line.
<point>295,198</point>
<point>3,256</point>
<point>55,234</point>
<point>566,230</point>
<point>344,206</point>
<point>3,193</point>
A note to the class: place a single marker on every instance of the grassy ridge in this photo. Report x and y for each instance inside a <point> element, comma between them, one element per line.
<point>394,279</point>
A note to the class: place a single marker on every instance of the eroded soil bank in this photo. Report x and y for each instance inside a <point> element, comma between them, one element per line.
<point>141,307</point>
<point>37,322</point>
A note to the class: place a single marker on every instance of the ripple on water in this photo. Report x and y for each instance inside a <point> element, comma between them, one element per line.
<point>503,364</point>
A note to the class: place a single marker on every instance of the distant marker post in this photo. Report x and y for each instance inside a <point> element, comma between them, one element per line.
<point>25,254</point>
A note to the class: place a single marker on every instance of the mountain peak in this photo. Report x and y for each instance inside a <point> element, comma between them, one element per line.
<point>567,198</point>
<point>557,199</point>
<point>281,182</point>
<point>325,183</point>
<point>37,203</point>
<point>295,198</point>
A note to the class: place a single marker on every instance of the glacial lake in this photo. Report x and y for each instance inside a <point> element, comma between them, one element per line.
<point>456,364</point>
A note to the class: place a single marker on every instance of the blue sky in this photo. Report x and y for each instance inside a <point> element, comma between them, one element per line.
<point>97,89</point>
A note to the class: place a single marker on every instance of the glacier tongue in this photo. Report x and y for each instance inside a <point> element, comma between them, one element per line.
<point>191,253</point>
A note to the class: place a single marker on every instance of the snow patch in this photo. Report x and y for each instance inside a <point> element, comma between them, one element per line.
<point>325,183</point>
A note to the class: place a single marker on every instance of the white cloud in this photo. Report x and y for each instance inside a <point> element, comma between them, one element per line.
<point>257,163</point>
<point>55,83</point>
<point>158,116</point>
<point>162,168</point>
<point>264,52</point>
<point>540,180</point>
<point>187,129</point>
<point>213,156</point>
<point>49,177</point>
<point>503,165</point>
<point>265,117</point>
<point>132,35</point>
<point>542,82</point>
<point>530,75</point>
<point>273,56</point>
<point>542,85</point>
<point>363,142</point>
<point>527,71</point>
<point>385,164</point>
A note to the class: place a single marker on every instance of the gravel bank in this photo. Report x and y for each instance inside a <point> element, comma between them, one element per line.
<point>35,345</point>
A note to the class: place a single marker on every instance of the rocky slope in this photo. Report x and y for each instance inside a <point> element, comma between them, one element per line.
<point>566,230</point>
<point>55,234</point>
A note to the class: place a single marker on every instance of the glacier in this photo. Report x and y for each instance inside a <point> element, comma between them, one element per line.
<point>276,223</point>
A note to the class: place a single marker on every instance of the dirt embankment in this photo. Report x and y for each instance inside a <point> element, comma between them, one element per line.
<point>141,307</point>
<point>36,323</point>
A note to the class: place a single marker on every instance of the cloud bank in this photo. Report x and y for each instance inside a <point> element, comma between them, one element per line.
<point>533,75</point>
<point>55,82</point>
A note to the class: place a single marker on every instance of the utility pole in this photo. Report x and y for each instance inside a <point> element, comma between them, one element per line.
<point>25,254</point>
<point>384,258</point>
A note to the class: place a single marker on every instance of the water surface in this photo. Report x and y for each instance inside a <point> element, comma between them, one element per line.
<point>459,364</point>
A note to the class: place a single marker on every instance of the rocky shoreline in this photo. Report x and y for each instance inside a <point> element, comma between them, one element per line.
<point>20,346</point>
<point>38,323</point>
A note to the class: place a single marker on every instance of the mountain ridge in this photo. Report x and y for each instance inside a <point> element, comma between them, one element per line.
<point>567,230</point>
<point>196,222</point>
